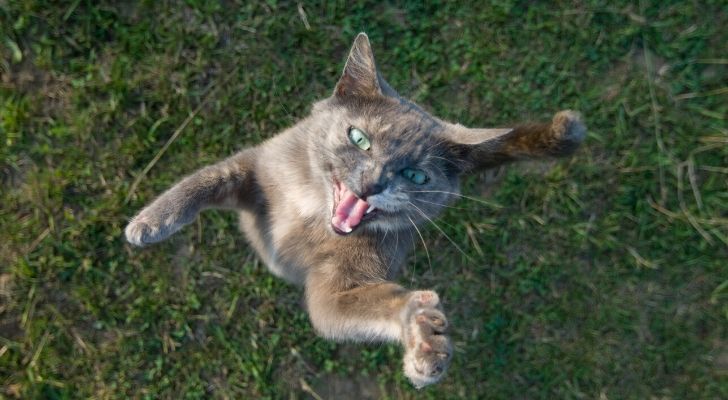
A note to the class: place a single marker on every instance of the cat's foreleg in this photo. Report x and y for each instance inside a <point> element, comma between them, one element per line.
<point>227,184</point>
<point>558,138</point>
<point>386,312</point>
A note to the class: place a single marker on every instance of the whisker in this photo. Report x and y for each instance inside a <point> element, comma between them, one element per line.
<point>427,252</point>
<point>396,238</point>
<point>412,240</point>
<point>494,205</point>
<point>387,261</point>
<point>440,229</point>
<point>386,232</point>
<point>331,153</point>
<point>440,204</point>
<point>445,159</point>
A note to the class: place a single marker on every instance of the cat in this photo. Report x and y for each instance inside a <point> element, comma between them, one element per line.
<point>327,202</point>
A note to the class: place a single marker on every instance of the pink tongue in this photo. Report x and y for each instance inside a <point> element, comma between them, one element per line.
<point>349,212</point>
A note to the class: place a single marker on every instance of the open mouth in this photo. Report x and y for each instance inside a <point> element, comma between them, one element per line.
<point>349,210</point>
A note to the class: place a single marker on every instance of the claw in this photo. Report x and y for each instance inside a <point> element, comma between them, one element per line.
<point>428,349</point>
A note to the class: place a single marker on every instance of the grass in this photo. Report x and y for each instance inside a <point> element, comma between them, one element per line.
<point>602,276</point>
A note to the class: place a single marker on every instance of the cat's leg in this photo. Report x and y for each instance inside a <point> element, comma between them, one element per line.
<point>227,184</point>
<point>560,137</point>
<point>385,312</point>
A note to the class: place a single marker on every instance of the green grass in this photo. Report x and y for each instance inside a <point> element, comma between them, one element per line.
<point>601,276</point>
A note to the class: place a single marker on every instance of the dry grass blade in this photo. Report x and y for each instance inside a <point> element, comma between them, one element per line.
<point>641,261</point>
<point>37,241</point>
<point>683,206</point>
<point>210,93</point>
<point>308,389</point>
<point>471,233</point>
<point>304,17</point>
<point>693,95</point>
<point>692,178</point>
<point>649,68</point>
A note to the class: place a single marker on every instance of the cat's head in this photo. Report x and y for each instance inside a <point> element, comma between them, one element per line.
<point>385,163</point>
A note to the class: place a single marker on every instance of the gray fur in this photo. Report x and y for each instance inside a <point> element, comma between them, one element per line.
<point>283,190</point>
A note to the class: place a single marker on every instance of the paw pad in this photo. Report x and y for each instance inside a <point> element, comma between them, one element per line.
<point>427,349</point>
<point>425,298</point>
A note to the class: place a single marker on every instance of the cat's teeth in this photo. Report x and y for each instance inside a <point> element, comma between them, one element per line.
<point>370,209</point>
<point>348,229</point>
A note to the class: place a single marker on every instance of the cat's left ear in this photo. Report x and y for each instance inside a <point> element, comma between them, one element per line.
<point>360,77</point>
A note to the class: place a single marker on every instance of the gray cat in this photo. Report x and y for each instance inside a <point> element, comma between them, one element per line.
<point>326,203</point>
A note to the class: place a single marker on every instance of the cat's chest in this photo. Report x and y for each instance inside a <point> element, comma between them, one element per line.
<point>291,245</point>
<point>286,240</point>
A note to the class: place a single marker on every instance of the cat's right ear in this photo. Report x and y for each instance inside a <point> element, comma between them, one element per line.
<point>360,77</point>
<point>475,147</point>
<point>487,148</point>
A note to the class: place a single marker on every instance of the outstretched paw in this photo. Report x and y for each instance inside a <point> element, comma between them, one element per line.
<point>140,233</point>
<point>568,129</point>
<point>143,230</point>
<point>427,349</point>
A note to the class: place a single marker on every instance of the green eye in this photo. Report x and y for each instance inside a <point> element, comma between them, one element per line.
<point>417,176</point>
<point>359,138</point>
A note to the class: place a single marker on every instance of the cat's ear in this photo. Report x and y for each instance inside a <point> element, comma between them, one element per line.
<point>475,137</point>
<point>488,148</point>
<point>473,146</point>
<point>360,77</point>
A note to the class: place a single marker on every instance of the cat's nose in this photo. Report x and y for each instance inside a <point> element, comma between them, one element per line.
<point>371,190</point>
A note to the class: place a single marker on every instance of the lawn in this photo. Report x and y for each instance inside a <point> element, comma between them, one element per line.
<point>602,276</point>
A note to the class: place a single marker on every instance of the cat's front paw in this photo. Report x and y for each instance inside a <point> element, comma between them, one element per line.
<point>143,230</point>
<point>567,126</point>
<point>427,350</point>
<point>565,134</point>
